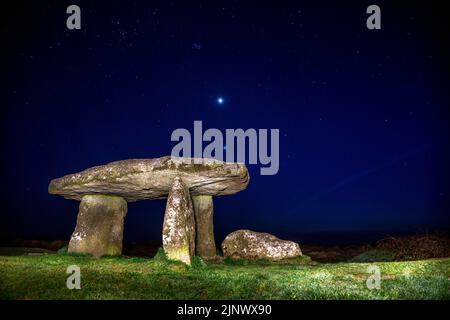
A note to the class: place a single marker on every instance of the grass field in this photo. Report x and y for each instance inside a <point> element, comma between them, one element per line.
<point>44,277</point>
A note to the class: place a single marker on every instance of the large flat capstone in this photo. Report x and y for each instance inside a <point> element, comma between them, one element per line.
<point>140,179</point>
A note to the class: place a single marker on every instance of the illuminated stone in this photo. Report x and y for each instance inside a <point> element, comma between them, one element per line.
<point>179,224</point>
<point>99,229</point>
<point>141,179</point>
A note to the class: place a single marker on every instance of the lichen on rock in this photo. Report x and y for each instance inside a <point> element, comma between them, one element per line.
<point>247,244</point>
<point>179,224</point>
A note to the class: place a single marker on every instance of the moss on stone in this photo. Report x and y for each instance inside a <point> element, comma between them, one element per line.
<point>179,254</point>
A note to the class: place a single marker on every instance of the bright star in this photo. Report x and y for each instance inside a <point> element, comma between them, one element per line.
<point>220,100</point>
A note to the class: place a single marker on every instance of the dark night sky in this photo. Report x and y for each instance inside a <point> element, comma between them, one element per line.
<point>363,115</point>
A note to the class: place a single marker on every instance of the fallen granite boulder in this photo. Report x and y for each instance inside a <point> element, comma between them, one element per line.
<point>247,244</point>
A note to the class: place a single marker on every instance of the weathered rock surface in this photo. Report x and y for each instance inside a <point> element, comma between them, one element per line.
<point>247,244</point>
<point>140,179</point>
<point>205,243</point>
<point>99,229</point>
<point>179,224</point>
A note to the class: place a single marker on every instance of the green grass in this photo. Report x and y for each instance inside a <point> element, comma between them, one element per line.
<point>44,277</point>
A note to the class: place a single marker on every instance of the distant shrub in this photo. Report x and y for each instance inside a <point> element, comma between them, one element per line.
<point>417,247</point>
<point>374,256</point>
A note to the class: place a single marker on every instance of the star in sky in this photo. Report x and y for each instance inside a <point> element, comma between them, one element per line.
<point>220,100</point>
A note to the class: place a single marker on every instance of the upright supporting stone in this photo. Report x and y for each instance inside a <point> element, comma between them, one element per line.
<point>179,224</point>
<point>99,229</point>
<point>204,211</point>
